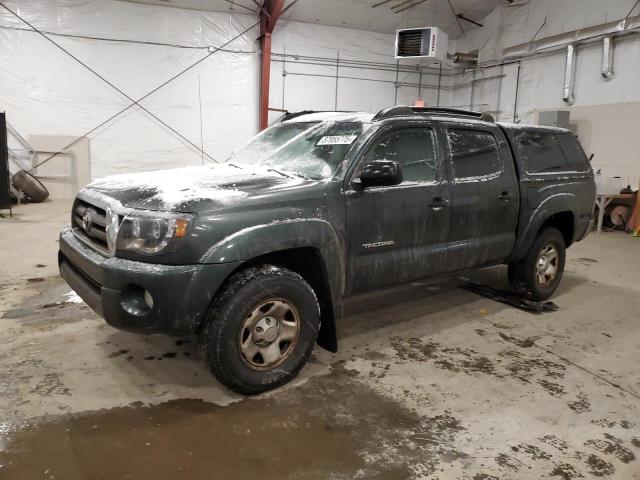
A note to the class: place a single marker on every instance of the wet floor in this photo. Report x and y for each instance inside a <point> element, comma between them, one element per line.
<point>431,382</point>
<point>331,427</point>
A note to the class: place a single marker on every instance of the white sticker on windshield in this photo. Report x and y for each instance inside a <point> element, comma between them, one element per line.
<point>337,140</point>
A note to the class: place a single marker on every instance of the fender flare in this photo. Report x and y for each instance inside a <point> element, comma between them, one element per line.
<point>255,241</point>
<point>551,205</point>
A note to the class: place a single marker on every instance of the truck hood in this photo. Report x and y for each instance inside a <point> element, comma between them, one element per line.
<point>193,189</point>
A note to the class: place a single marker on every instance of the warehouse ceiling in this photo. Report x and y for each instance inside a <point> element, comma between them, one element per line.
<point>375,15</point>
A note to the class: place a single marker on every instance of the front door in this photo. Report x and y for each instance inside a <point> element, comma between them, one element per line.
<point>484,196</point>
<point>398,233</point>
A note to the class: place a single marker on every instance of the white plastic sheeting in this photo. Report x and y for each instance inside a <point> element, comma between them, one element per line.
<point>44,91</point>
<point>362,61</point>
<point>541,78</point>
<point>603,128</point>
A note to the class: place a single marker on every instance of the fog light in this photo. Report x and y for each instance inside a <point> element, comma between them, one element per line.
<point>135,300</point>
<point>148,299</point>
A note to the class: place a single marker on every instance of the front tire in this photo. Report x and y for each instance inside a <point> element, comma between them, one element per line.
<point>539,273</point>
<point>260,330</point>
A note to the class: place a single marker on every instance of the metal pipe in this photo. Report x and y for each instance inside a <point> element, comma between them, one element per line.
<point>401,84</point>
<point>607,57</point>
<point>335,107</point>
<point>330,61</point>
<point>473,80</point>
<point>500,74</point>
<point>464,58</point>
<point>577,37</point>
<point>395,98</point>
<point>439,83</point>
<point>569,76</point>
<point>284,74</point>
<point>515,97</point>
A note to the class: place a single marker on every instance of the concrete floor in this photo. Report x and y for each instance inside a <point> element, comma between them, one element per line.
<point>430,382</point>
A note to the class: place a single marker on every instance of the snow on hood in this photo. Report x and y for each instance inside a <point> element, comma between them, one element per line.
<point>179,185</point>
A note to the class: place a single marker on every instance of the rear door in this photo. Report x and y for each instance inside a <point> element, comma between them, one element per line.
<point>484,195</point>
<point>398,233</point>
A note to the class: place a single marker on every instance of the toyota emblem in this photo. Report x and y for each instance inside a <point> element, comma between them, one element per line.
<point>87,220</point>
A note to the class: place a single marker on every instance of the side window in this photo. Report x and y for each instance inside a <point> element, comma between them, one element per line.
<point>412,148</point>
<point>540,152</point>
<point>576,157</point>
<point>474,153</point>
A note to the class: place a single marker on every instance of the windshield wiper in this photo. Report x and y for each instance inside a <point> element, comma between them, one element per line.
<point>271,169</point>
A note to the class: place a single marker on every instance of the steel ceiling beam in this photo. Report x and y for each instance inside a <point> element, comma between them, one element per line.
<point>467,19</point>
<point>410,6</point>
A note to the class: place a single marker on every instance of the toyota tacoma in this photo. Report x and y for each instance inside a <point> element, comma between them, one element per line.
<point>256,255</point>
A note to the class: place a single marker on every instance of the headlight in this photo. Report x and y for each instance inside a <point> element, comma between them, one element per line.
<point>112,230</point>
<point>151,233</point>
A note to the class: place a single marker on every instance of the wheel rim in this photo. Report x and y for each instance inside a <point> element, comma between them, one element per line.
<point>269,334</point>
<point>547,265</point>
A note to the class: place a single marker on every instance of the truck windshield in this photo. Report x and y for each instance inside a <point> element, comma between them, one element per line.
<point>314,153</point>
<point>268,140</point>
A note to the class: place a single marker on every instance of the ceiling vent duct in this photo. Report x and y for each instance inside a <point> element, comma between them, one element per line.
<point>569,75</point>
<point>428,44</point>
<point>607,58</point>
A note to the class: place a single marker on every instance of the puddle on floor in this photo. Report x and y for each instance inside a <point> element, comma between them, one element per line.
<point>330,427</point>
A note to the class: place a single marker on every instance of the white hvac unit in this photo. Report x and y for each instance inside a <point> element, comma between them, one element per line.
<point>427,44</point>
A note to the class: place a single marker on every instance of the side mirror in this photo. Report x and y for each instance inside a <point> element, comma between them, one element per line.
<point>379,173</point>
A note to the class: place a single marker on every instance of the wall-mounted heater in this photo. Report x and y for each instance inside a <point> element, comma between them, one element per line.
<point>427,44</point>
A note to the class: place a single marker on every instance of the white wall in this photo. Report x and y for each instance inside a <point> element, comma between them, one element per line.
<point>45,92</point>
<point>610,132</point>
<point>541,78</point>
<point>344,53</point>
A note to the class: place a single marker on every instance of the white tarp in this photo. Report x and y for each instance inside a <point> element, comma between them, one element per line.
<point>602,127</point>
<point>541,78</point>
<point>44,91</point>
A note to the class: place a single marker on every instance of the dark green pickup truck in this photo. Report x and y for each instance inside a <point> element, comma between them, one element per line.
<point>256,254</point>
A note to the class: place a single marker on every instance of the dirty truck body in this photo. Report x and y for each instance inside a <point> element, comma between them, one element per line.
<point>381,200</point>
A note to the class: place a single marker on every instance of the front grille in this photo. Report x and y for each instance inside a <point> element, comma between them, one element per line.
<point>95,234</point>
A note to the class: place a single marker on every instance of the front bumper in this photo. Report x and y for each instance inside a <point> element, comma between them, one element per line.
<point>114,288</point>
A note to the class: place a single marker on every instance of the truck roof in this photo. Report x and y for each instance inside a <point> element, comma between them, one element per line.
<point>417,112</point>
<point>521,126</point>
<point>329,116</point>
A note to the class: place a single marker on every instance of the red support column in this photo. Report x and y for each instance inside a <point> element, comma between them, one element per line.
<point>269,14</point>
<point>265,75</point>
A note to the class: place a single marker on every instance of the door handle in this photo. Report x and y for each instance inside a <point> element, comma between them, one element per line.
<point>438,203</point>
<point>505,196</point>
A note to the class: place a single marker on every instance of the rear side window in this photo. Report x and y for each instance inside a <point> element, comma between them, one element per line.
<point>545,152</point>
<point>576,157</point>
<point>412,148</point>
<point>474,154</point>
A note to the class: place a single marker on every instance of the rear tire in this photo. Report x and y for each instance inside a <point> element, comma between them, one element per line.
<point>34,190</point>
<point>260,330</point>
<point>539,273</point>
